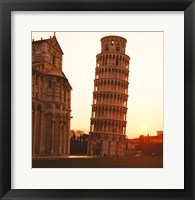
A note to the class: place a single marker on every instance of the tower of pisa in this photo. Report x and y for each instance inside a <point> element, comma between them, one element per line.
<point>109,107</point>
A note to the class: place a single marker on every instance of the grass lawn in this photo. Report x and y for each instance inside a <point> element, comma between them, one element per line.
<point>126,162</point>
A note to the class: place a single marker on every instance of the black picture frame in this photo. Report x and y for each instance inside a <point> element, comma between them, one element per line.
<point>6,7</point>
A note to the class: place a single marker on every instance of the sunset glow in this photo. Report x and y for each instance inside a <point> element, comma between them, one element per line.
<point>144,126</point>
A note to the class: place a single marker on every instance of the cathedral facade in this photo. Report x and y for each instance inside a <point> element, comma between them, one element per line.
<point>109,107</point>
<point>51,100</point>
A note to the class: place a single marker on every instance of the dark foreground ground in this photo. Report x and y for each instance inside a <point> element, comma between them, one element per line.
<point>85,162</point>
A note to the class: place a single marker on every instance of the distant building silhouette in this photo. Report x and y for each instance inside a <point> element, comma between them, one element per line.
<point>51,100</point>
<point>109,109</point>
<point>148,144</point>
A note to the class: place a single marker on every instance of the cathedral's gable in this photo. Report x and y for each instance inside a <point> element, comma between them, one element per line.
<point>53,42</point>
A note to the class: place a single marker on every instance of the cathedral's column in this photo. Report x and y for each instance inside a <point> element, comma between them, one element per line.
<point>106,127</point>
<point>35,129</point>
<point>60,92</point>
<point>68,136</point>
<point>42,87</point>
<point>35,78</point>
<point>53,91</point>
<point>38,80</point>
<point>64,138</point>
<point>42,134</point>
<point>109,127</point>
<point>53,136</point>
<point>100,126</point>
<point>61,137</point>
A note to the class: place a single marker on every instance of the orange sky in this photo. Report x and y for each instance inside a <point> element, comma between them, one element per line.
<point>145,102</point>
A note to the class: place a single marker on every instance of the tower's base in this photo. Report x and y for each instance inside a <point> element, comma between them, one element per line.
<point>106,145</point>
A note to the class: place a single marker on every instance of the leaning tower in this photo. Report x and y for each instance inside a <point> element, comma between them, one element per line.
<point>109,107</point>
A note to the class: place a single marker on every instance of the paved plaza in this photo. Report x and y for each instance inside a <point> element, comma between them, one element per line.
<point>94,162</point>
